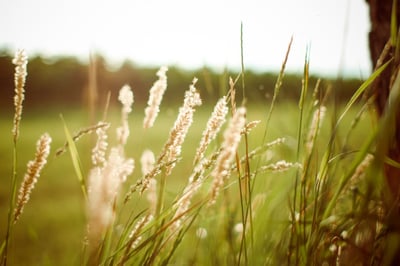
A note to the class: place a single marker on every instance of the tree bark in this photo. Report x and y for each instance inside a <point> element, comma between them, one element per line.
<point>382,50</point>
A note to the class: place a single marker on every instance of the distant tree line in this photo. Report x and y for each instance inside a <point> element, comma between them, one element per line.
<point>64,81</point>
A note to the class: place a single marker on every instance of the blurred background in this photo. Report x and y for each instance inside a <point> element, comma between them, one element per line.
<point>129,40</point>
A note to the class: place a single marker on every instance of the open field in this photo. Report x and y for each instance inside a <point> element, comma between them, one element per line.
<point>52,227</point>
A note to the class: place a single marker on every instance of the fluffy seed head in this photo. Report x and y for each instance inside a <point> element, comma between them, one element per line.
<point>32,174</point>
<point>231,142</point>
<point>20,61</point>
<point>183,122</point>
<point>156,94</point>
<point>126,98</point>
<point>99,151</point>
<point>213,126</point>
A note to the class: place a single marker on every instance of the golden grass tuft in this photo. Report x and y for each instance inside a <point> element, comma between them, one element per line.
<point>32,174</point>
<point>214,124</point>
<point>229,146</point>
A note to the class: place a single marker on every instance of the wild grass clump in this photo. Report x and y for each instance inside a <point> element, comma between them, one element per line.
<point>321,200</point>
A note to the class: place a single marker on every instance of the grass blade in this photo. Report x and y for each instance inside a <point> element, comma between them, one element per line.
<point>75,158</point>
<point>362,88</point>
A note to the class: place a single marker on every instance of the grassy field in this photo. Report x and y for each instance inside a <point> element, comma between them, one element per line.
<point>279,182</point>
<point>52,228</point>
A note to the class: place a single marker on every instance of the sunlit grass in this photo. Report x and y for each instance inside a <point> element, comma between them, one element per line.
<point>282,181</point>
<point>53,225</point>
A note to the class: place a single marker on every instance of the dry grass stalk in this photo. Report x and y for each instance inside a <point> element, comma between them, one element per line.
<point>20,61</point>
<point>213,127</point>
<point>263,148</point>
<point>80,133</point>
<point>250,126</point>
<point>156,94</point>
<point>232,93</point>
<point>183,122</point>
<point>280,166</point>
<point>143,183</point>
<point>126,98</point>
<point>184,201</point>
<point>232,138</point>
<point>33,172</point>
<point>315,126</point>
<point>195,181</point>
<point>134,237</point>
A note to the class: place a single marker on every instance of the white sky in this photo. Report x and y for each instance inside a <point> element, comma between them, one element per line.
<point>195,33</point>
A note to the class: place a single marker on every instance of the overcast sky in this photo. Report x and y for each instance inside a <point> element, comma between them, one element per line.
<point>195,33</point>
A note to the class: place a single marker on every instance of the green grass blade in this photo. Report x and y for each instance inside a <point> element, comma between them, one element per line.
<point>305,80</point>
<point>391,162</point>
<point>362,88</point>
<point>75,158</point>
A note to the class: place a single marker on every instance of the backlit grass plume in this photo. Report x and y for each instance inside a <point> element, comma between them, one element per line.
<point>181,126</point>
<point>20,61</point>
<point>213,126</point>
<point>99,150</point>
<point>33,172</point>
<point>232,138</point>
<point>156,95</point>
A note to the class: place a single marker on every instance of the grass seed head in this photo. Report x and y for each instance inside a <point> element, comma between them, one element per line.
<point>156,94</point>
<point>230,144</point>
<point>214,124</point>
<point>32,174</point>
<point>99,150</point>
<point>20,61</point>
<point>181,126</point>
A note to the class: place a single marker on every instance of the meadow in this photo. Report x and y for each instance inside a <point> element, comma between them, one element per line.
<point>280,182</point>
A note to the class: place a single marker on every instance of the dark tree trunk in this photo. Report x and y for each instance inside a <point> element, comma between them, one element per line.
<point>382,50</point>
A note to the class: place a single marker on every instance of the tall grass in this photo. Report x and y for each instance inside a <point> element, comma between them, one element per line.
<point>236,200</point>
